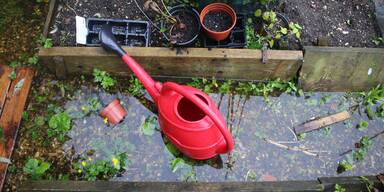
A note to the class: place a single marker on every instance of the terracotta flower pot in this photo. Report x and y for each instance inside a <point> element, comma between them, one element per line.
<point>221,35</point>
<point>114,112</point>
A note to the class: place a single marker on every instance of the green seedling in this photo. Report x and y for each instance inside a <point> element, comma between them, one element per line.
<point>45,42</point>
<point>363,125</point>
<point>301,136</point>
<point>204,84</point>
<point>344,165</point>
<point>135,87</point>
<point>372,98</point>
<point>92,106</point>
<point>368,183</point>
<point>15,64</point>
<point>92,170</point>
<point>12,75</point>
<point>339,188</point>
<point>33,60</point>
<point>378,41</point>
<point>183,166</point>
<point>149,126</point>
<point>225,87</point>
<point>254,41</point>
<point>274,29</point>
<point>58,126</point>
<point>251,175</point>
<point>36,168</point>
<point>103,78</point>
<point>358,154</point>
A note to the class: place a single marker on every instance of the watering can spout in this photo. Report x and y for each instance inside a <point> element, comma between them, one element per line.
<point>108,42</point>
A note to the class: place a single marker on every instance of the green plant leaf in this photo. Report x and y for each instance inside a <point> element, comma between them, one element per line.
<point>258,13</point>
<point>149,126</point>
<point>12,75</point>
<point>177,163</point>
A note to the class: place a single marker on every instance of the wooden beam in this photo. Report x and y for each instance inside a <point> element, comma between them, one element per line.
<point>322,122</point>
<point>84,186</point>
<point>342,69</point>
<point>351,184</point>
<point>12,113</point>
<point>240,64</point>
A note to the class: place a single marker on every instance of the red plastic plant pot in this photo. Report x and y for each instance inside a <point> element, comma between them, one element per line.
<point>218,36</point>
<point>114,112</point>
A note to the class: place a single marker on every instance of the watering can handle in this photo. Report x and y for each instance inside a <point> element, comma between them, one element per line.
<point>203,106</point>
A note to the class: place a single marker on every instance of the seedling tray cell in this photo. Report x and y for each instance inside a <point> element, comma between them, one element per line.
<point>127,32</point>
<point>237,38</point>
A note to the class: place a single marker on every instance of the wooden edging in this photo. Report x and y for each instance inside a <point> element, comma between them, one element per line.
<point>237,64</point>
<point>342,69</point>
<point>13,96</point>
<point>352,184</point>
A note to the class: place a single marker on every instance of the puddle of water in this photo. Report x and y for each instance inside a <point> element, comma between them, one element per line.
<point>250,120</point>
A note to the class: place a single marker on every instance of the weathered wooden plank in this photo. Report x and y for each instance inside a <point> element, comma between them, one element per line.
<point>322,122</point>
<point>239,64</point>
<point>342,69</point>
<point>12,113</point>
<point>5,82</point>
<point>351,184</point>
<point>82,186</point>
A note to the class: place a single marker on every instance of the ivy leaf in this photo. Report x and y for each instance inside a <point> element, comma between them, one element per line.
<point>149,125</point>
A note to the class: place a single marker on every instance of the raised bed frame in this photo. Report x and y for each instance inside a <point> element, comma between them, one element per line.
<point>321,69</point>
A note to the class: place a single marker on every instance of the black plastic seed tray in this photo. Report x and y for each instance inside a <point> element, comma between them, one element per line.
<point>237,38</point>
<point>127,32</point>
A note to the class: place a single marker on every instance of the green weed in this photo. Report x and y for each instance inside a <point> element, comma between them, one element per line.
<point>93,105</point>
<point>45,42</point>
<point>149,126</point>
<point>357,155</point>
<point>103,78</point>
<point>58,126</point>
<point>339,188</point>
<point>36,168</point>
<point>92,170</point>
<point>135,87</point>
<point>363,125</point>
<point>12,75</point>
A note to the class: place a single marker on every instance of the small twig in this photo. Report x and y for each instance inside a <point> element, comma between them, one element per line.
<point>142,11</point>
<point>165,7</point>
<point>293,133</point>
<point>287,142</point>
<point>290,148</point>
<point>72,9</point>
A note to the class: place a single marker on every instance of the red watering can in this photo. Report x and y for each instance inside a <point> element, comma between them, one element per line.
<point>187,116</point>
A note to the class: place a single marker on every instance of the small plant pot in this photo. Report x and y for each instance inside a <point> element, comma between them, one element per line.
<point>218,7</point>
<point>282,21</point>
<point>190,18</point>
<point>114,112</point>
